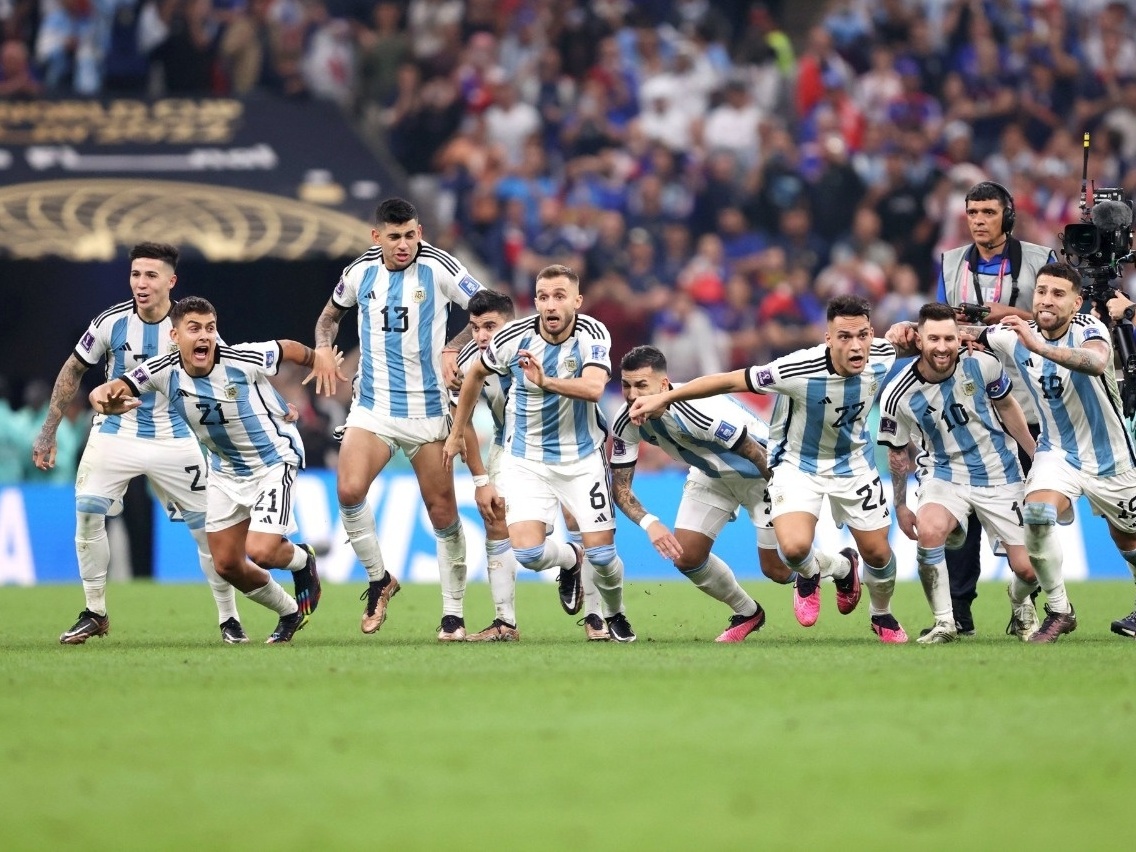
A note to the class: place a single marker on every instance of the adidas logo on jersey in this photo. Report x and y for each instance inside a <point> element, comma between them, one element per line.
<point>1028,362</point>
<point>601,518</point>
<point>826,401</point>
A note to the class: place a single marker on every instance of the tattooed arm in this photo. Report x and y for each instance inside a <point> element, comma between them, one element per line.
<point>1093,357</point>
<point>325,364</point>
<point>661,537</point>
<point>66,385</point>
<point>899,463</point>
<point>752,450</point>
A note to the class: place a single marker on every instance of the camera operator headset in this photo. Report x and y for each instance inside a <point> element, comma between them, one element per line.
<point>993,276</point>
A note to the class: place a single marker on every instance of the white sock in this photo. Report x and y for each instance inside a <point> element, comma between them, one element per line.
<point>1020,590</point>
<point>715,578</point>
<point>932,562</point>
<point>609,580</point>
<point>224,594</point>
<point>273,596</point>
<point>592,603</point>
<point>359,524</point>
<point>452,567</point>
<point>93,552</point>
<point>1046,557</point>
<point>299,558</point>
<point>502,579</point>
<point>836,566</point>
<point>881,586</point>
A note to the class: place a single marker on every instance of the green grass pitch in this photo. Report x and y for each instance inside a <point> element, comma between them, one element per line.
<point>159,737</point>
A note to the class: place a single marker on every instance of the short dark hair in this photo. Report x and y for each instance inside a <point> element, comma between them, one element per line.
<point>935,311</point>
<point>557,270</point>
<point>644,356</point>
<point>159,251</point>
<point>490,301</point>
<point>191,305</point>
<point>395,211</point>
<point>848,306</point>
<point>1061,270</point>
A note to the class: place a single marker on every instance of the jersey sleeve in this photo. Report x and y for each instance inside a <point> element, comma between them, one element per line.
<point>883,352</point>
<point>93,345</point>
<point>764,379</point>
<point>895,426</point>
<point>994,376</point>
<point>1091,329</point>
<point>500,352</point>
<point>152,375</point>
<point>456,281</point>
<point>255,359</point>
<point>346,292</point>
<point>624,440</point>
<point>713,423</point>
<point>466,357</point>
<point>595,346</point>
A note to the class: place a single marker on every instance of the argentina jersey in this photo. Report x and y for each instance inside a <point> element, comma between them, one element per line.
<point>703,433</point>
<point>495,392</point>
<point>820,419</point>
<point>402,328</point>
<point>953,421</point>
<point>234,410</point>
<point>125,340</point>
<point>548,427</point>
<point>1080,415</point>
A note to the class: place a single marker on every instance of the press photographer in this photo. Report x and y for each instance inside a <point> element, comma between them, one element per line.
<point>985,281</point>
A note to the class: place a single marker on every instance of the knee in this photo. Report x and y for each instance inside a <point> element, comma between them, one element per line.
<point>89,525</point>
<point>262,554</point>
<point>772,566</point>
<point>531,557</point>
<point>795,554</point>
<point>601,556</point>
<point>1038,515</point>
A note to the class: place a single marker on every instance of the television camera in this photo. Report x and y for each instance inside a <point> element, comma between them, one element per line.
<point>1098,246</point>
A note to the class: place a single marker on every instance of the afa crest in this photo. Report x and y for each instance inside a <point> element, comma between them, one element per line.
<point>231,392</point>
<point>571,364</point>
<point>969,387</point>
<point>419,295</point>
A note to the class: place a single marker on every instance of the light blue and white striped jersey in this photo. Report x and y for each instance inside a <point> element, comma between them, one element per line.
<point>703,433</point>
<point>125,340</point>
<point>542,426</point>
<point>820,419</point>
<point>953,421</point>
<point>1080,415</point>
<point>234,410</point>
<point>495,391</point>
<point>402,328</point>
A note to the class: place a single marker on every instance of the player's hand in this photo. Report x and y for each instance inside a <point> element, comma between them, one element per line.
<point>646,408</point>
<point>116,400</point>
<point>906,520</point>
<point>454,448</point>
<point>664,541</point>
<point>902,336</point>
<point>451,375</point>
<point>531,366</point>
<point>43,451</point>
<point>998,312</point>
<point>1117,306</point>
<point>490,504</point>
<point>1026,335</point>
<point>326,370</point>
<point>293,414</point>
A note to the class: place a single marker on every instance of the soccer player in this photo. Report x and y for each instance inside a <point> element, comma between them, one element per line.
<point>150,440</point>
<point>960,412</point>
<point>404,289</point>
<point>1065,358</point>
<point>821,449</point>
<point>997,272</point>
<point>557,363</point>
<point>724,444</point>
<point>223,393</point>
<point>488,313</point>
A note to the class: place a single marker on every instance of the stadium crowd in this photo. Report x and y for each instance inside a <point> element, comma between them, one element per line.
<point>713,178</point>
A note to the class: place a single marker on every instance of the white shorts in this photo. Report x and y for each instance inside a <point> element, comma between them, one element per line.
<point>266,500</point>
<point>493,463</point>
<point>708,504</point>
<point>997,507</point>
<point>1112,497</point>
<point>176,468</point>
<point>857,502</point>
<point>400,433</point>
<point>534,491</point>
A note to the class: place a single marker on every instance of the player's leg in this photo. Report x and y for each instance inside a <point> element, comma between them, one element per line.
<point>1040,513</point>
<point>502,571</point>
<point>1113,498</point>
<point>1126,543</point>
<point>595,630</point>
<point>105,470</point>
<point>964,566</point>
<point>362,456</point>
<point>437,486</point>
<point>178,476</point>
<point>935,521</point>
<point>999,511</point>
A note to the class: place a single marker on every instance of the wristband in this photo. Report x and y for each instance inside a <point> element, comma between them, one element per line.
<point>480,481</point>
<point>647,520</point>
<point>451,349</point>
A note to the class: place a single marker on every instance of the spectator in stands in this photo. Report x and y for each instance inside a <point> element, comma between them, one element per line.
<point>382,50</point>
<point>70,45</point>
<point>684,333</point>
<point>17,80</point>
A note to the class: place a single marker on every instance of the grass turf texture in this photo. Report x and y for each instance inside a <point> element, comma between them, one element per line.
<point>159,737</point>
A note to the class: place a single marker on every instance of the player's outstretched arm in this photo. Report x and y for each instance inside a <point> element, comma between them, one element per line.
<point>325,369</point>
<point>751,449</point>
<point>66,384</point>
<point>588,386</point>
<point>654,405</point>
<point>1014,421</point>
<point>1092,357</point>
<point>899,465</point>
<point>661,537</point>
<point>451,375</point>
<point>113,397</point>
<point>467,400</point>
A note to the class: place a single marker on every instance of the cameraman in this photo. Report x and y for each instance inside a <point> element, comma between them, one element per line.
<point>996,272</point>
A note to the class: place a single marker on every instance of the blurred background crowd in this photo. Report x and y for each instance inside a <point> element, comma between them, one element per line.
<point>715,170</point>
